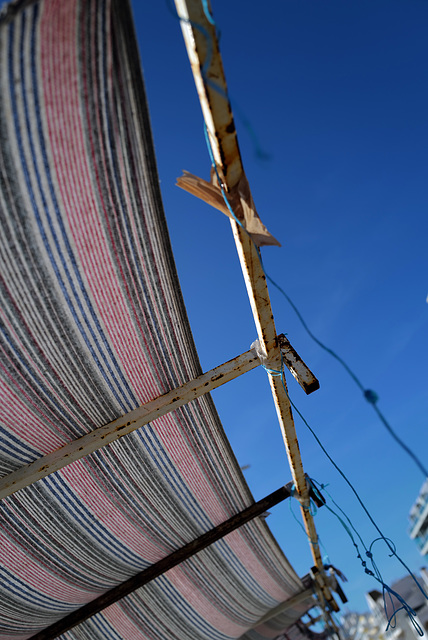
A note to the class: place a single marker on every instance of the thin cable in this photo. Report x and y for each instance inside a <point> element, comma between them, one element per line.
<point>370,395</point>
<point>387,541</point>
<point>350,485</point>
<point>357,496</point>
<point>258,150</point>
<point>208,13</point>
<point>201,29</point>
<point>374,572</point>
<point>372,398</point>
<point>317,541</point>
<point>313,509</point>
<point>400,442</point>
<point>308,331</point>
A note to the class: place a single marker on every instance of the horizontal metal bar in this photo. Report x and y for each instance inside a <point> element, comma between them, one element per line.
<point>157,569</point>
<point>129,422</point>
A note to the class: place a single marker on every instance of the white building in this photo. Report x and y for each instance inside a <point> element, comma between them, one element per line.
<point>419,520</point>
<point>363,626</point>
<point>372,626</point>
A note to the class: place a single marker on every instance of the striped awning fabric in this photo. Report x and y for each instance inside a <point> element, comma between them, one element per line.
<point>300,632</point>
<point>92,326</point>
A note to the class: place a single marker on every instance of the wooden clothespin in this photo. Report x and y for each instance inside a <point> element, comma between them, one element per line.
<point>239,199</point>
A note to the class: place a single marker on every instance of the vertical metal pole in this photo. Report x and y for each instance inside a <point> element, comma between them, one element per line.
<point>162,566</point>
<point>258,293</point>
<point>204,55</point>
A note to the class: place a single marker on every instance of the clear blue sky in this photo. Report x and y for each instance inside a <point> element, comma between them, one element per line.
<point>336,91</point>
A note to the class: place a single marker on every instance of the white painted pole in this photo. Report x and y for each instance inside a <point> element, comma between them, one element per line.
<point>202,47</point>
<point>129,422</point>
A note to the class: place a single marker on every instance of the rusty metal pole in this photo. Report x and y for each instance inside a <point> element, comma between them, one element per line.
<point>202,47</point>
<point>165,564</point>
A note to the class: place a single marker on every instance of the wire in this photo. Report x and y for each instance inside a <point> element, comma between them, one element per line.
<point>350,485</point>
<point>374,572</point>
<point>387,541</point>
<point>370,395</point>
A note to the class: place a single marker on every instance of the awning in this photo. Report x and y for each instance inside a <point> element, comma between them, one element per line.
<point>93,325</point>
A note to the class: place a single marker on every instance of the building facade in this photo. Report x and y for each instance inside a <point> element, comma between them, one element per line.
<point>419,520</point>
<point>373,625</point>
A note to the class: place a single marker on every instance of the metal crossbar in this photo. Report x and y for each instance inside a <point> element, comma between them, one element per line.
<point>157,569</point>
<point>127,423</point>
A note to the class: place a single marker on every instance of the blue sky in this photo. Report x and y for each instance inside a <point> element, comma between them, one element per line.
<point>336,91</point>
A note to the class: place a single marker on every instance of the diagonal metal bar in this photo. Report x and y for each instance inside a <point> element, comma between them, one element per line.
<point>202,46</point>
<point>159,568</point>
<point>156,408</point>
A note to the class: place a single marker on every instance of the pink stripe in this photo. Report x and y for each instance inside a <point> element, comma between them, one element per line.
<point>200,603</point>
<point>42,578</point>
<point>103,505</point>
<point>14,382</point>
<point>122,623</point>
<point>25,422</point>
<point>67,147</point>
<point>67,142</point>
<point>256,568</point>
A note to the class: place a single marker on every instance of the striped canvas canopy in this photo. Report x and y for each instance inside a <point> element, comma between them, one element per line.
<point>92,326</point>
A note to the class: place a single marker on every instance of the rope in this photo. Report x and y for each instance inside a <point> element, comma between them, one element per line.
<point>374,572</point>
<point>370,395</point>
<point>349,528</point>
